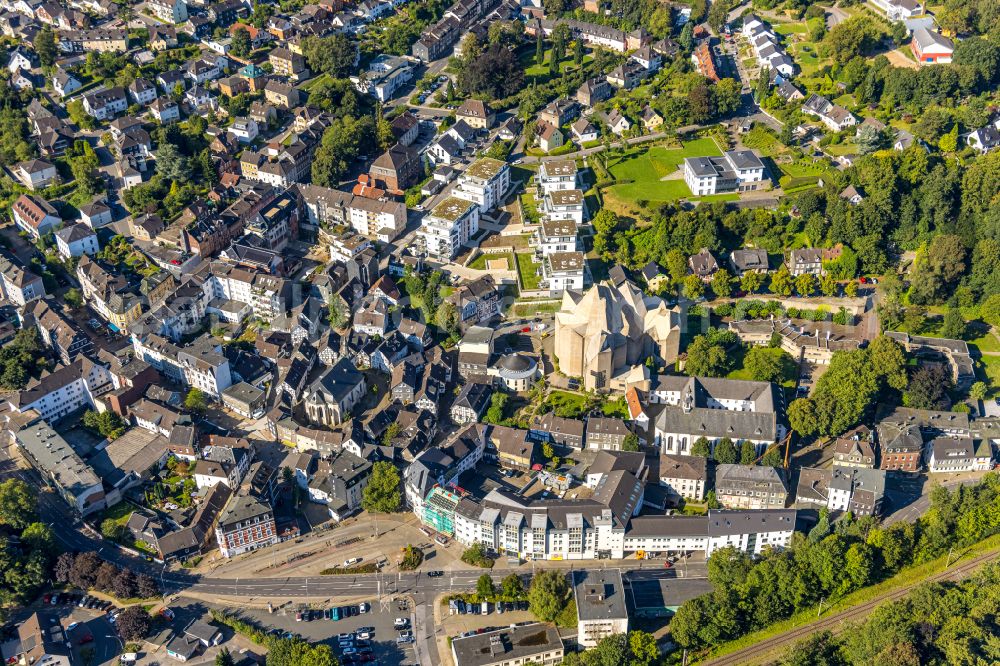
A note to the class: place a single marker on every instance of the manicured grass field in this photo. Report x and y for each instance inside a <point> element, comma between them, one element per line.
<point>480,262</point>
<point>989,371</point>
<point>986,343</point>
<point>841,149</point>
<point>527,270</point>
<point>801,168</point>
<point>790,28</point>
<point>804,53</point>
<point>535,308</point>
<point>646,167</point>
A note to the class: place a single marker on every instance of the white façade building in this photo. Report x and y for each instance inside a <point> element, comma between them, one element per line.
<point>557,236</point>
<point>683,409</point>
<point>564,205</point>
<point>448,227</point>
<point>64,390</point>
<point>556,175</point>
<point>603,526</point>
<point>735,171</point>
<point>484,183</point>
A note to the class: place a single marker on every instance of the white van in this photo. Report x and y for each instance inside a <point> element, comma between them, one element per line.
<point>128,658</point>
<point>353,560</point>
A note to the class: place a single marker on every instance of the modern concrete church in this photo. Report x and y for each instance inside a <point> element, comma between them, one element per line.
<point>605,335</point>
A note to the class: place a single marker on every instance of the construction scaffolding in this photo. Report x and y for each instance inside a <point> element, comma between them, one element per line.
<point>439,511</point>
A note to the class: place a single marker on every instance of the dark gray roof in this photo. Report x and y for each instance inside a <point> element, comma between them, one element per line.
<point>744,159</point>
<point>600,594</point>
<point>701,166</point>
<point>722,523</point>
<point>506,645</point>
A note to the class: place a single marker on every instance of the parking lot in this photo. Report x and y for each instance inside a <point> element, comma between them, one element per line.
<point>385,649</point>
<point>93,638</point>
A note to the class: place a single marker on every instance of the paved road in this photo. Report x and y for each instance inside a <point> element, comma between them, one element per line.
<point>910,508</point>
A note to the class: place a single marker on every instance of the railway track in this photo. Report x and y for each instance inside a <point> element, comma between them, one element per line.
<point>758,653</point>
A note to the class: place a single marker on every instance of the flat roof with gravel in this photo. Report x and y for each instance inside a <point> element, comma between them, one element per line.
<point>452,209</point>
<point>485,168</point>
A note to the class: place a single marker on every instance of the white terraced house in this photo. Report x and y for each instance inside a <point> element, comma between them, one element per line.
<point>564,205</point>
<point>556,175</point>
<point>449,226</point>
<point>484,182</point>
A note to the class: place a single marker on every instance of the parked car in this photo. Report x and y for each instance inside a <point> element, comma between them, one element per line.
<point>405,637</point>
<point>401,623</point>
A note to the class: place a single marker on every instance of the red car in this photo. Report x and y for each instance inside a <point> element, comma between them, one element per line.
<point>86,638</point>
<point>526,329</point>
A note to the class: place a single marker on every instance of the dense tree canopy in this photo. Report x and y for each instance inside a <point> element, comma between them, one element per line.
<point>495,72</point>
<point>383,493</point>
<point>749,594</point>
<point>850,387</point>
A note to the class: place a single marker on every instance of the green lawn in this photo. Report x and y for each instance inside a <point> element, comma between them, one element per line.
<point>790,28</point>
<point>989,371</point>
<point>528,271</point>
<point>312,83</point>
<point>801,168</point>
<point>804,53</point>
<point>646,168</point>
<point>567,405</point>
<point>986,343</point>
<point>541,71</point>
<point>535,308</point>
<point>479,263</point>
<point>841,149</point>
<point>530,207</point>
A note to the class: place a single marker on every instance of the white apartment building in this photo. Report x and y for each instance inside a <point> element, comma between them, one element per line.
<point>684,476</point>
<point>556,175</point>
<point>564,205</point>
<point>557,236</point>
<point>262,292</point>
<point>64,390</point>
<point>205,367</point>
<point>713,408</point>
<point>20,286</point>
<point>600,605</point>
<point>448,227</point>
<point>377,218</point>
<point>735,171</point>
<point>77,240</point>
<point>585,529</point>
<point>369,217</point>
<point>563,270</point>
<point>484,183</point>
<point>171,11</point>
<point>386,74</point>
<point>105,104</point>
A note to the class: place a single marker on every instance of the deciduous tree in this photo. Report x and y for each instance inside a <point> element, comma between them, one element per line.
<point>382,494</point>
<point>548,594</point>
